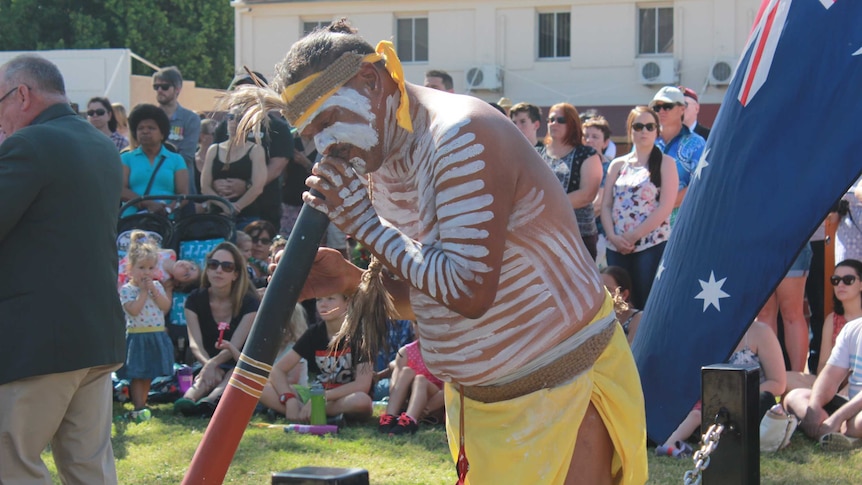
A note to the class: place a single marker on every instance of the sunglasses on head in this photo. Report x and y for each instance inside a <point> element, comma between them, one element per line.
<point>847,279</point>
<point>641,126</point>
<point>162,86</point>
<point>261,240</point>
<point>96,112</point>
<point>666,107</point>
<point>226,266</point>
<point>559,120</point>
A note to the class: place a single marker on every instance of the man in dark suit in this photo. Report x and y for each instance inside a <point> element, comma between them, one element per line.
<point>61,322</point>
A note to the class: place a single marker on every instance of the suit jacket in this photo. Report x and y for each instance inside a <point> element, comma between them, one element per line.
<point>60,182</point>
<point>701,130</point>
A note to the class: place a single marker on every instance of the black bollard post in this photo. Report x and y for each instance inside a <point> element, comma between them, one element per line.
<point>732,392</point>
<point>313,475</point>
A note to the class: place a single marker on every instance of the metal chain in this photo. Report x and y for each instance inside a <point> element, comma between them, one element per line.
<point>702,456</point>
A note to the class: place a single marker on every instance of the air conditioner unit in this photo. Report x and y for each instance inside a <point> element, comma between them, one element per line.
<point>721,72</point>
<point>658,70</point>
<point>485,77</point>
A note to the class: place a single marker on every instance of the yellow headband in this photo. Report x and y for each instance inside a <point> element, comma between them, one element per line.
<point>305,97</point>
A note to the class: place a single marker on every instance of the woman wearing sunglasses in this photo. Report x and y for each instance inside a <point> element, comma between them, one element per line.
<point>847,306</point>
<point>577,167</point>
<point>827,412</point>
<point>640,191</point>
<point>100,114</point>
<point>235,160</point>
<point>224,296</point>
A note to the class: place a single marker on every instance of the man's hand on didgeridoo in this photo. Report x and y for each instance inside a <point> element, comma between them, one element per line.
<point>330,274</point>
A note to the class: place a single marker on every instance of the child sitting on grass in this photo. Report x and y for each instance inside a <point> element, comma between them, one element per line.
<point>759,346</point>
<point>346,380</point>
<point>410,377</point>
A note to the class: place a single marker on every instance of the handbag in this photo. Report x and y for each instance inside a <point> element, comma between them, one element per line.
<point>776,428</point>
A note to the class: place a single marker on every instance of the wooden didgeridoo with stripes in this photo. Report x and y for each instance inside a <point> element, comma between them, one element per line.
<point>221,439</point>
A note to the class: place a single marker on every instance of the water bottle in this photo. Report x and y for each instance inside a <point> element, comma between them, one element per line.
<point>318,404</point>
<point>185,378</point>
<point>319,430</point>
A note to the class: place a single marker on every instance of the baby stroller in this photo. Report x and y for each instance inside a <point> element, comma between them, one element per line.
<point>191,236</point>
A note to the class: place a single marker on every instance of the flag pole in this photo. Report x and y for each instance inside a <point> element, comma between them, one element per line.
<point>221,439</point>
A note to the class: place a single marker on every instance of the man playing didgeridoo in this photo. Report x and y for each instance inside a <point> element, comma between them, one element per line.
<point>481,246</point>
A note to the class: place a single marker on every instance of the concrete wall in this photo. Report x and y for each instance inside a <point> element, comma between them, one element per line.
<point>89,72</point>
<point>602,69</point>
<point>107,72</point>
<point>201,100</point>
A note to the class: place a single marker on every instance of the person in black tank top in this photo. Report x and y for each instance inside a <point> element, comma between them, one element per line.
<point>235,159</point>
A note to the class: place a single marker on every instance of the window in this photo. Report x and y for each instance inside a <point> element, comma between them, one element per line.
<point>555,34</point>
<point>655,30</point>
<point>412,39</point>
<point>308,27</point>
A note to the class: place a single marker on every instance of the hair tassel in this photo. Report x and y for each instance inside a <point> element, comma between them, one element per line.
<point>369,309</point>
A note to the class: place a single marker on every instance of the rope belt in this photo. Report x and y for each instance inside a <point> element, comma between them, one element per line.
<point>552,375</point>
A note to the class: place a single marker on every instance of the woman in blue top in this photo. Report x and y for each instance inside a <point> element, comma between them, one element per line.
<point>151,160</point>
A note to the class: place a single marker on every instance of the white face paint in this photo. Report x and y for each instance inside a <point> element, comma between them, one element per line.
<point>362,136</point>
<point>358,165</point>
<point>346,98</point>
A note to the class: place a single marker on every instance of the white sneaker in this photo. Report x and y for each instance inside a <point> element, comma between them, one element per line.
<point>839,442</point>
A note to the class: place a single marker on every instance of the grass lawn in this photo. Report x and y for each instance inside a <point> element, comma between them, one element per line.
<point>160,450</point>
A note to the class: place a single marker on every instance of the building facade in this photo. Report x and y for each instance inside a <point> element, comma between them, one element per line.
<point>604,54</point>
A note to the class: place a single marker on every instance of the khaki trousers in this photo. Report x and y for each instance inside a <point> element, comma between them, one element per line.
<point>71,411</point>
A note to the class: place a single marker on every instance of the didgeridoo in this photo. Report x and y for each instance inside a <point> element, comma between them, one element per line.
<point>218,446</point>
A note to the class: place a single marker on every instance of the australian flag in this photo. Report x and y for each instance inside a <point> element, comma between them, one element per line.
<point>786,144</point>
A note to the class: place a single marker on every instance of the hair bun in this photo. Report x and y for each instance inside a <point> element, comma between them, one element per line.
<point>341,26</point>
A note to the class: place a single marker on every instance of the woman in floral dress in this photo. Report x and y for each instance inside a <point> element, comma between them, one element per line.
<point>639,194</point>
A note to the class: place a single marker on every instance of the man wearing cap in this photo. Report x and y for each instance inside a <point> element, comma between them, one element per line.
<point>692,108</point>
<point>480,246</point>
<point>277,141</point>
<point>676,139</point>
<point>185,123</point>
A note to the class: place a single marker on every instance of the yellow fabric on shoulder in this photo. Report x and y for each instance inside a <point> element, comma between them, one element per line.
<point>531,439</point>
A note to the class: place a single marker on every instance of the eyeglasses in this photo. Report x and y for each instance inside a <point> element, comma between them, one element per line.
<point>666,107</point>
<point>261,240</point>
<point>559,120</point>
<point>847,279</point>
<point>162,86</point>
<point>8,94</point>
<point>96,112</point>
<point>226,266</point>
<point>640,126</point>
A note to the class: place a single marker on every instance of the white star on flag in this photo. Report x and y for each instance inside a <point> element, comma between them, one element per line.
<point>660,270</point>
<point>859,52</point>
<point>702,163</point>
<point>711,292</point>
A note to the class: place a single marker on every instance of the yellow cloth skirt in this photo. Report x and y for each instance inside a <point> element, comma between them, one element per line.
<point>531,439</point>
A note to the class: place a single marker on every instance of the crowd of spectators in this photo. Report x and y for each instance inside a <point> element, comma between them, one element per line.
<point>625,206</point>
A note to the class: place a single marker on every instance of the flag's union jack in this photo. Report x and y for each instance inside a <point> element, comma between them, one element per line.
<point>768,25</point>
